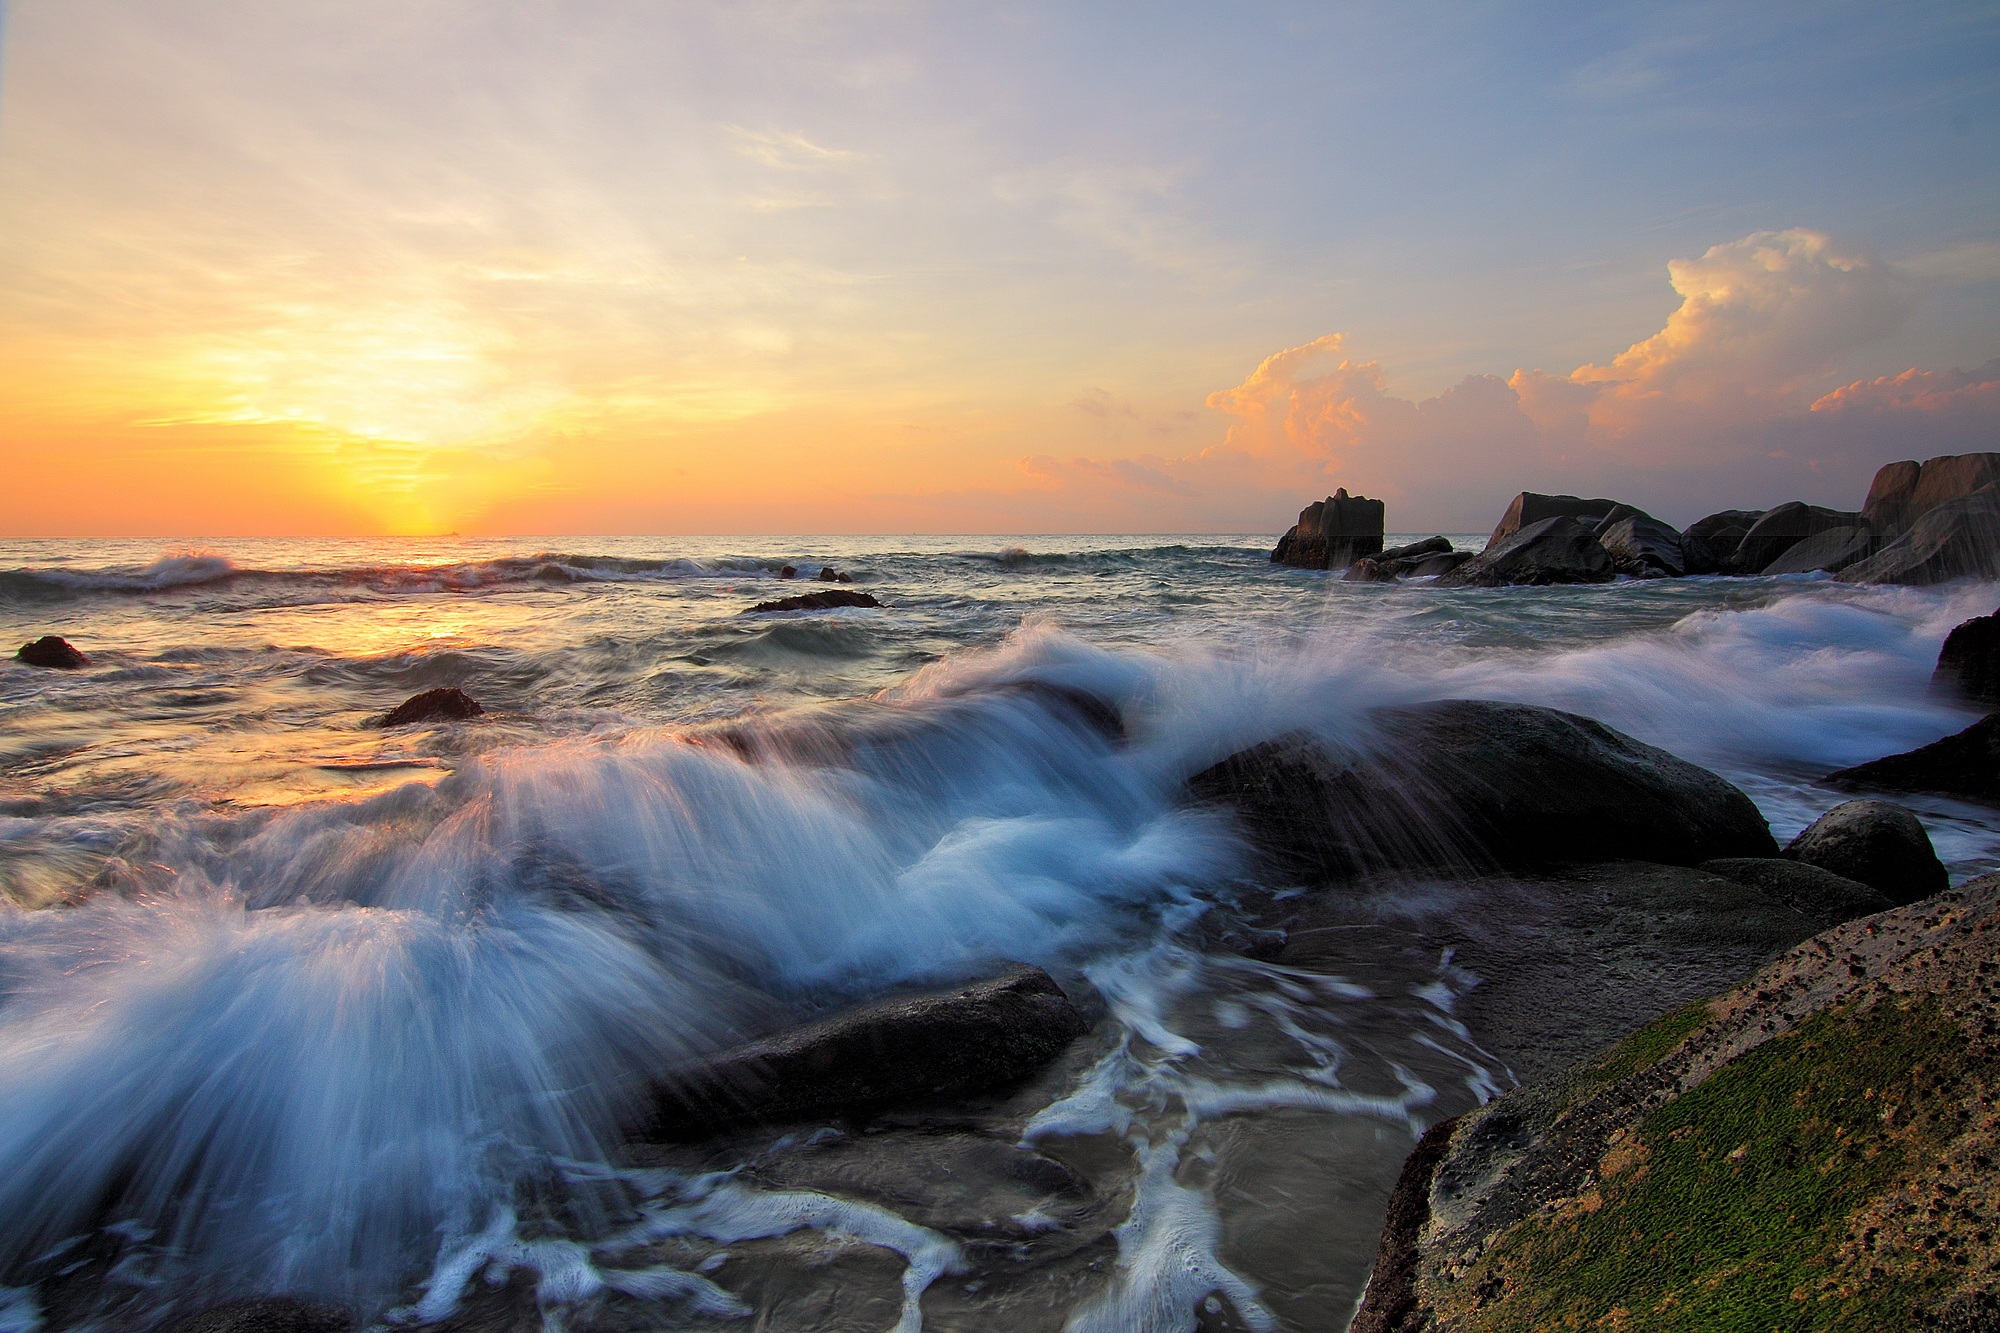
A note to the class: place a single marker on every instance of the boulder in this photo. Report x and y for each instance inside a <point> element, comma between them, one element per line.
<point>1832,550</point>
<point>1779,530</point>
<point>789,572</point>
<point>1968,666</point>
<point>1552,550</point>
<point>946,1043</point>
<point>1642,547</point>
<point>1472,783</point>
<point>1433,566</point>
<point>1950,477</point>
<point>1877,843</point>
<point>1332,533</point>
<point>1958,538</point>
<point>53,652</point>
<point>1709,544</point>
<point>814,601</point>
<point>828,574</point>
<point>1887,508</point>
<point>1821,896</point>
<point>1367,571</point>
<point>1429,546</point>
<point>270,1314</point>
<point>1529,508</point>
<point>445,705</point>
<point>1966,764</point>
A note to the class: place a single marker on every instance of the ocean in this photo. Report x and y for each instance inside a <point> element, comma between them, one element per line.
<point>290,1003</point>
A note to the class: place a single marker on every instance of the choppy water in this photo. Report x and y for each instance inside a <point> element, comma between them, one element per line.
<point>296,1004</point>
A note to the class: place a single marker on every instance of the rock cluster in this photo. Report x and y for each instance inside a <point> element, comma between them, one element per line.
<point>1332,533</point>
<point>814,601</point>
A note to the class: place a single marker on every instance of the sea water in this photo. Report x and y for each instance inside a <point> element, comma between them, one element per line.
<point>290,1003</point>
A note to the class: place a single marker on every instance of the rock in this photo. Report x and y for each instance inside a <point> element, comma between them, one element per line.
<point>1332,533</point>
<point>1416,550</point>
<point>271,1314</point>
<point>1433,566</point>
<point>1709,544</point>
<point>1877,843</point>
<point>1841,1095</point>
<point>1529,508</point>
<point>815,601</point>
<point>1474,783</point>
<point>1966,764</point>
<point>828,574</point>
<point>1949,477</point>
<point>1618,514</point>
<point>1642,547</point>
<point>788,572</point>
<point>1779,530</point>
<point>947,1043</point>
<point>445,705</point>
<point>1956,539</point>
<point>53,652</point>
<point>1832,550</point>
<point>1552,550</point>
<point>1968,666</point>
<point>1887,508</point>
<point>1820,895</point>
<point>1367,571</point>
<point>1395,1271</point>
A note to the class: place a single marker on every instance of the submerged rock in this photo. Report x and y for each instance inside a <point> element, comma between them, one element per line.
<point>1332,533</point>
<point>1367,571</point>
<point>444,705</point>
<point>1529,508</point>
<point>1966,764</point>
<point>1877,843</point>
<point>789,572</point>
<point>52,652</point>
<point>948,1043</point>
<point>1968,665</point>
<point>814,601</point>
<point>828,574</point>
<point>1553,550</point>
<point>1959,538</point>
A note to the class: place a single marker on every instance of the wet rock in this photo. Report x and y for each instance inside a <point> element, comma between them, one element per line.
<point>53,652</point>
<point>789,572</point>
<point>1831,551</point>
<point>1332,533</point>
<point>444,705</point>
<point>1433,566</point>
<point>1367,571</point>
<point>1474,783</point>
<point>814,601</point>
<point>1966,764</point>
<point>1778,530</point>
<point>947,1043</point>
<point>1968,666</point>
<point>1529,508</point>
<point>276,1314</point>
<point>1823,897</point>
<point>1958,538</point>
<point>1392,1298</point>
<point>1553,550</point>
<point>1429,546</point>
<point>828,574</point>
<point>1708,545</point>
<point>1877,843</point>
<point>1641,547</point>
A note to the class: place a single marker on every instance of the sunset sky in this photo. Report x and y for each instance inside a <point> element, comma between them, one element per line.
<point>596,266</point>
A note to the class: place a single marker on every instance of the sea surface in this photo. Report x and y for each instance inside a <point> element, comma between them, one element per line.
<point>293,1003</point>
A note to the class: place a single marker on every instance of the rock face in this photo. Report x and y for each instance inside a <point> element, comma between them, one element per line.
<point>1967,764</point>
<point>1641,546</point>
<point>939,1044</point>
<point>445,705</point>
<point>1709,544</point>
<point>53,652</point>
<point>1778,530</point>
<point>1332,533</point>
<point>1957,538</point>
<point>1832,550</point>
<point>1529,508</point>
<point>1821,896</point>
<point>1887,508</point>
<point>1877,843</point>
<point>1481,784</point>
<point>1968,666</point>
<point>1552,550</point>
<point>1811,1150</point>
<point>815,601</point>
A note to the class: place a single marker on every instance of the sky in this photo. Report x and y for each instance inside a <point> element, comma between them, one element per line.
<point>276,267</point>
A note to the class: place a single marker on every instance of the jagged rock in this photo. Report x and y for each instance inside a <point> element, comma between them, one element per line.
<point>1954,539</point>
<point>815,601</point>
<point>1709,544</point>
<point>1968,666</point>
<point>1552,550</point>
<point>1529,508</point>
<point>1823,897</point>
<point>52,652</point>
<point>1332,533</point>
<point>1877,843</point>
<point>445,705</point>
<point>947,1043</point>
<point>271,1314</point>
<point>1832,551</point>
<point>1779,530</point>
<point>1641,546</point>
<point>1966,764</point>
<point>1474,783</point>
<point>1367,571</point>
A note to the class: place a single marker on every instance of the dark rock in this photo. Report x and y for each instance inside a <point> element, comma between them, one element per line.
<point>828,574</point>
<point>788,572</point>
<point>948,1043</point>
<point>1877,843</point>
<point>1832,551</point>
<point>445,705</point>
<point>1708,545</point>
<point>1958,538</point>
<point>50,651</point>
<point>1416,550</point>
<point>1820,895</point>
<point>1641,547</point>
<point>1432,566</point>
<point>1780,529</point>
<point>1887,508</point>
<point>1332,533</point>
<point>1367,571</point>
<point>815,601</point>
<point>1966,764</point>
<point>1552,550</point>
<point>1529,508</point>
<point>1391,1303</point>
<point>1968,666</point>
<point>272,1314</point>
<point>1473,783</point>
